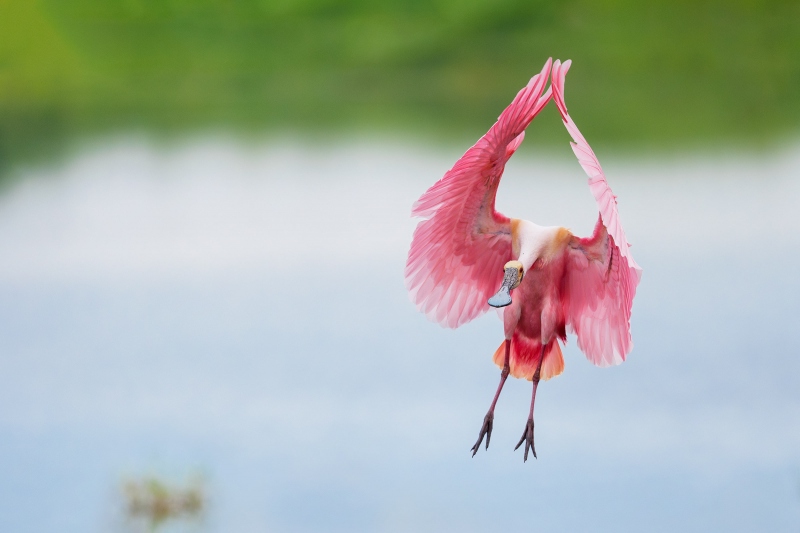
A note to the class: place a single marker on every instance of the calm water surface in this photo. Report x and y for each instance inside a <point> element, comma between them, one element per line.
<point>239,312</point>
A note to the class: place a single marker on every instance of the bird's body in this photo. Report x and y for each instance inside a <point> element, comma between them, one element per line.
<point>464,250</point>
<point>536,317</point>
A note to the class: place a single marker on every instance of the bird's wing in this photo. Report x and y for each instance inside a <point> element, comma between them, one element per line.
<point>457,255</point>
<point>601,275</point>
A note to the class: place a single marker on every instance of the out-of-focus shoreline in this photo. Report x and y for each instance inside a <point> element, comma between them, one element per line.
<point>655,75</point>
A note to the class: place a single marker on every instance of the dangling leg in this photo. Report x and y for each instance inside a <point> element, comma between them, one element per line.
<point>488,420</point>
<point>527,435</point>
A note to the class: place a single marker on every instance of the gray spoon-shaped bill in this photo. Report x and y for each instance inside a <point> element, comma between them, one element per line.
<point>503,296</point>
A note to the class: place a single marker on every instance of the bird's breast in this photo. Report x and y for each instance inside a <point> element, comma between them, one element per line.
<point>539,294</point>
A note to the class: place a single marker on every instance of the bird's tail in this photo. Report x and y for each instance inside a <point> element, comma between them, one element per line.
<point>525,355</point>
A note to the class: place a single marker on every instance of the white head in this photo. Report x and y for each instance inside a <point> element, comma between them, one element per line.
<point>530,242</point>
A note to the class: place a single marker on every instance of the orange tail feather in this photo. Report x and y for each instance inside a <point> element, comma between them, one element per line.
<point>525,355</point>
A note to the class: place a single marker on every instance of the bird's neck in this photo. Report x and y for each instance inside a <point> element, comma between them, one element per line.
<point>531,241</point>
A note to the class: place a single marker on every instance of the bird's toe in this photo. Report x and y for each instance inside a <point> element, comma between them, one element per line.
<point>486,430</point>
<point>527,438</point>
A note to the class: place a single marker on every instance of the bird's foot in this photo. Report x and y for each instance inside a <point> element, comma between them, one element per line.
<point>527,438</point>
<point>486,429</point>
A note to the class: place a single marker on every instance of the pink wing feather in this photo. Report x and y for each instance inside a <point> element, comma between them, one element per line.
<point>457,255</point>
<point>601,276</point>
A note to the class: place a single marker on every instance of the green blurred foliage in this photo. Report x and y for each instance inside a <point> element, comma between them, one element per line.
<point>663,73</point>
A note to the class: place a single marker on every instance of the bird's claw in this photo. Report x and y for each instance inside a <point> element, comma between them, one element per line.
<point>486,429</point>
<point>527,438</point>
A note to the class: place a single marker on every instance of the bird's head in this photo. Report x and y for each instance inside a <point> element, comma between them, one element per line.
<point>513,272</point>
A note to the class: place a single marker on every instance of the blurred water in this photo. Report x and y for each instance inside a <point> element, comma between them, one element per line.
<point>240,312</point>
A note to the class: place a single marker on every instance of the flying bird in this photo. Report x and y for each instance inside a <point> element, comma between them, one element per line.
<point>466,257</point>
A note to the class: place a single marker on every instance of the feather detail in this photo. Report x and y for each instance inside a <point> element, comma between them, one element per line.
<point>601,274</point>
<point>524,357</point>
<point>458,250</point>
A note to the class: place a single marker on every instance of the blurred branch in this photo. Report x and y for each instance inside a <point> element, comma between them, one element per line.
<point>152,502</point>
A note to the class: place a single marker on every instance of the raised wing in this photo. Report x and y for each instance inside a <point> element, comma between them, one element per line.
<point>601,275</point>
<point>457,255</point>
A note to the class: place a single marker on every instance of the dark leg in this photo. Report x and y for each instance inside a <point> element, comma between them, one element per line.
<point>527,434</point>
<point>488,420</point>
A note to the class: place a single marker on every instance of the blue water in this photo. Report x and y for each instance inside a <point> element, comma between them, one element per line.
<point>311,396</point>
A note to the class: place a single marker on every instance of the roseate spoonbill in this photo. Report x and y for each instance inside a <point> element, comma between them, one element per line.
<point>548,278</point>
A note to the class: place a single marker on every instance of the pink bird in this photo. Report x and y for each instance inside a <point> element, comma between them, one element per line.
<point>548,278</point>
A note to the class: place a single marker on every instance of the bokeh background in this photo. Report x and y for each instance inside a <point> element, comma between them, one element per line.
<point>203,227</point>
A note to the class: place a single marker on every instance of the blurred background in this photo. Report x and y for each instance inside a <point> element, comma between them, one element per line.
<point>203,228</point>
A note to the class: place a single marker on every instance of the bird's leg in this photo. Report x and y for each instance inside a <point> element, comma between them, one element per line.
<point>527,434</point>
<point>488,420</point>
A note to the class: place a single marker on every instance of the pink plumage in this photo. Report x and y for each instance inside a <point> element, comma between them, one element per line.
<point>464,250</point>
<point>600,293</point>
<point>456,258</point>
